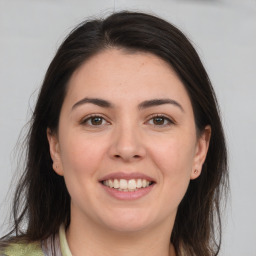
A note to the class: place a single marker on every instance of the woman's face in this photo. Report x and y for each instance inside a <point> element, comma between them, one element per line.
<point>126,144</point>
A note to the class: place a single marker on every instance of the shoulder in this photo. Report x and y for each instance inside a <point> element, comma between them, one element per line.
<point>22,249</point>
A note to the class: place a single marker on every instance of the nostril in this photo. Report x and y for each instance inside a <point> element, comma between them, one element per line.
<point>118,156</point>
<point>133,157</point>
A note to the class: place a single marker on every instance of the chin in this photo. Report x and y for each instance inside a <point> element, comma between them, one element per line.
<point>129,221</point>
<point>127,227</point>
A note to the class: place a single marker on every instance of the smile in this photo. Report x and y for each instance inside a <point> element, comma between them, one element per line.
<point>127,185</point>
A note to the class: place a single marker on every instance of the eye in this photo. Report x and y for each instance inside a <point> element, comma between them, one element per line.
<point>94,121</point>
<point>160,120</point>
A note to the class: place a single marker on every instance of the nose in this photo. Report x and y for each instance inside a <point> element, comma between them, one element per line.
<point>127,144</point>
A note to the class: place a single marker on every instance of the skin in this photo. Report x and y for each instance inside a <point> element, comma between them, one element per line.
<point>127,139</point>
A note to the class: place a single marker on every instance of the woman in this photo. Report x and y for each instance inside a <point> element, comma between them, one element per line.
<point>126,152</point>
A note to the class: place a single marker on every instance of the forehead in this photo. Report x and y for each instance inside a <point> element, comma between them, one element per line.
<point>116,74</point>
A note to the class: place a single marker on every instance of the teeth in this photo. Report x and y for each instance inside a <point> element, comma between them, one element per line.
<point>123,184</point>
<point>132,184</point>
<point>116,183</point>
<point>139,183</point>
<point>127,185</point>
<point>110,183</point>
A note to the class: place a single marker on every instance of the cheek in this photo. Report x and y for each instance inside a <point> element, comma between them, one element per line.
<point>80,160</point>
<point>80,155</point>
<point>174,156</point>
<point>174,160</point>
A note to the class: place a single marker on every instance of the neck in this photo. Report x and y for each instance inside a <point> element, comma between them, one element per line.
<point>91,240</point>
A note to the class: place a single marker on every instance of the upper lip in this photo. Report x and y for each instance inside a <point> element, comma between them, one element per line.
<point>126,176</point>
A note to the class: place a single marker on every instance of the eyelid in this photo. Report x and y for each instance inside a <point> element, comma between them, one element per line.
<point>85,119</point>
<point>170,120</point>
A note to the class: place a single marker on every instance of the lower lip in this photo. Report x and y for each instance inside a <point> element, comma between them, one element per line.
<point>130,195</point>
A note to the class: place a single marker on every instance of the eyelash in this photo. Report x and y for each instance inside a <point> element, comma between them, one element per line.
<point>167,121</point>
<point>89,118</point>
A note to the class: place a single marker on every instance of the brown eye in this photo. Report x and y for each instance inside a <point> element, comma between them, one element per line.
<point>159,120</point>
<point>94,121</point>
<point>97,120</point>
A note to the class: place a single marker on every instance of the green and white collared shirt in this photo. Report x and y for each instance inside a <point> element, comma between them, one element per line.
<point>40,248</point>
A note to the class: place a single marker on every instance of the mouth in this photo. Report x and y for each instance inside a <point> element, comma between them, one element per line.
<point>127,185</point>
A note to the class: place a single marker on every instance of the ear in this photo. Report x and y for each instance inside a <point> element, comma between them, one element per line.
<point>55,152</point>
<point>201,152</point>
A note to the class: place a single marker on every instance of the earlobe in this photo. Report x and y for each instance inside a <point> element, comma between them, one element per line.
<point>201,152</point>
<point>54,152</point>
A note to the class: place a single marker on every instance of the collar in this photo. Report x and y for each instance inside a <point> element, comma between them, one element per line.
<point>65,251</point>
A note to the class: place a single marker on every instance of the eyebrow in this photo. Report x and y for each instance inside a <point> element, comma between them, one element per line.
<point>157,102</point>
<point>142,105</point>
<point>99,102</point>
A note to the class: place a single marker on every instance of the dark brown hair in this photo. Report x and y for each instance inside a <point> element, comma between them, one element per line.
<point>41,198</point>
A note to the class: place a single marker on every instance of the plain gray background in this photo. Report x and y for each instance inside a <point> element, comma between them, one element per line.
<point>224,34</point>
